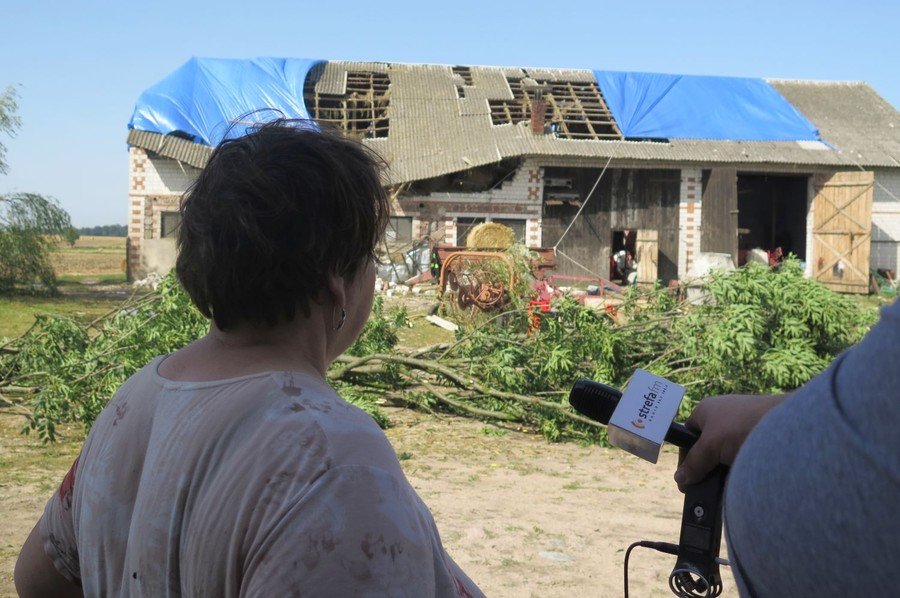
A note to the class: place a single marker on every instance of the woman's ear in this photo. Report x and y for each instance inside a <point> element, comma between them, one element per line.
<point>337,288</point>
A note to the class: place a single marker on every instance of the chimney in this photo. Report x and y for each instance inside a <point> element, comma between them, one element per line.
<point>538,110</point>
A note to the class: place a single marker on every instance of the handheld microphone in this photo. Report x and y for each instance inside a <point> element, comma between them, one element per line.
<point>696,572</point>
<point>598,401</point>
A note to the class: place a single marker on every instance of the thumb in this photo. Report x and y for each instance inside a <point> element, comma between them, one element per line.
<point>698,462</point>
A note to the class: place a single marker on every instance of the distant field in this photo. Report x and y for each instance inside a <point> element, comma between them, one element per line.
<point>100,258</point>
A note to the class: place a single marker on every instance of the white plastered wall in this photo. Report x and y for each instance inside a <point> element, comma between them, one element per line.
<point>885,252</point>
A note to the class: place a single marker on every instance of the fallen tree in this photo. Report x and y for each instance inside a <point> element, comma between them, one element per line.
<point>758,331</point>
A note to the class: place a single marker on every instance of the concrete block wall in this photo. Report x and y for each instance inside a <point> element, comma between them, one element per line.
<point>885,252</point>
<point>690,212</point>
<point>155,186</point>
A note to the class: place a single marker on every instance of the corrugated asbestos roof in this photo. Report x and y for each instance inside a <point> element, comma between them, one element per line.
<point>435,132</point>
<point>170,146</point>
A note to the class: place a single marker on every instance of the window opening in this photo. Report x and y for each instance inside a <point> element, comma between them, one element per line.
<point>169,223</point>
<point>463,226</point>
<point>399,229</point>
<point>517,225</point>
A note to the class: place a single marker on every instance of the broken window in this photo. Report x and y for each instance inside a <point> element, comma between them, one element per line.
<point>169,223</point>
<point>572,109</point>
<point>399,229</point>
<point>473,180</point>
<point>463,226</point>
<point>361,111</point>
<point>517,225</point>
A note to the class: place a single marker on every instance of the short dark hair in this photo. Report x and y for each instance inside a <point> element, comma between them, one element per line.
<point>272,215</point>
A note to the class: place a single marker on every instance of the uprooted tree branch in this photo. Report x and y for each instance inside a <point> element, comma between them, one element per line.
<point>759,331</point>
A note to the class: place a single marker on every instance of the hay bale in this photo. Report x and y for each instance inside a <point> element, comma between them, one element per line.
<point>490,235</point>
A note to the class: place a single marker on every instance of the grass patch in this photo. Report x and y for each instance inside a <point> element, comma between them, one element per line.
<point>422,334</point>
<point>17,312</point>
<point>25,461</point>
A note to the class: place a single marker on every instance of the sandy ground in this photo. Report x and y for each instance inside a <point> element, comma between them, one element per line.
<point>521,516</point>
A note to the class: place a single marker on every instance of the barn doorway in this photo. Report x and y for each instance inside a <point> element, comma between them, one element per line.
<point>772,213</point>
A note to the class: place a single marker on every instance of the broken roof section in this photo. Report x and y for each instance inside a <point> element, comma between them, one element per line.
<point>659,106</point>
<point>208,98</point>
<point>442,120</point>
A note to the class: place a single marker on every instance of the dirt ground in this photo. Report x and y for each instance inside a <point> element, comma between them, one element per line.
<point>523,517</point>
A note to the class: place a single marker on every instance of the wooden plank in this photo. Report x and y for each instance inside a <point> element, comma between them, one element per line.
<point>647,256</point>
<point>842,223</point>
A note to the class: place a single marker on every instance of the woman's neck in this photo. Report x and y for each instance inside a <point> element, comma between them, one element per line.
<point>301,345</point>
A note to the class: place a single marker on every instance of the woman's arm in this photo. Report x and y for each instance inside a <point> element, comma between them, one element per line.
<point>35,574</point>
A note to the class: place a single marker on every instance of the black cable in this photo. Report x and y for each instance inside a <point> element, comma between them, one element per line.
<point>665,547</point>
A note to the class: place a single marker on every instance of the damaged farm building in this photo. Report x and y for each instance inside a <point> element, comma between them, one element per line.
<point>668,165</point>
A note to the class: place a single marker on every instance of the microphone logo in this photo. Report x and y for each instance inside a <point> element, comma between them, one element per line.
<point>637,423</point>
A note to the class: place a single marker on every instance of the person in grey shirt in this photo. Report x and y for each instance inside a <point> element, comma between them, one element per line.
<point>811,506</point>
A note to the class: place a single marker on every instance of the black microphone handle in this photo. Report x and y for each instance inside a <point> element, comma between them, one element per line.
<point>681,436</point>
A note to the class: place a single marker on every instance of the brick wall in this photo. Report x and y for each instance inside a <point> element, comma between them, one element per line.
<point>885,251</point>
<point>155,186</point>
<point>519,197</point>
<point>689,219</point>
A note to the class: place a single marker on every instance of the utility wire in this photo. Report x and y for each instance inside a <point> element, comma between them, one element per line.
<point>581,209</point>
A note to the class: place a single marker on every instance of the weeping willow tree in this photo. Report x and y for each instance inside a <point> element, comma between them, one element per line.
<point>31,225</point>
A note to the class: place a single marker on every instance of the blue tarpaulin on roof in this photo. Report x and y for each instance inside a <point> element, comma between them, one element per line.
<point>206,96</point>
<point>659,106</point>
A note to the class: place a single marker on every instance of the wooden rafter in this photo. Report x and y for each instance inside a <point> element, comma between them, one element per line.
<point>577,108</point>
<point>361,110</point>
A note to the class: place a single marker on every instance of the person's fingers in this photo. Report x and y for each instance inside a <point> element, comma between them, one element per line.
<point>697,419</point>
<point>698,462</point>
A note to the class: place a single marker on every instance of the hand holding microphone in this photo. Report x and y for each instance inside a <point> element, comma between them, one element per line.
<point>725,422</point>
<point>639,421</point>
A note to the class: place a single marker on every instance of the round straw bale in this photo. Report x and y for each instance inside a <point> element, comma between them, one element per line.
<point>490,235</point>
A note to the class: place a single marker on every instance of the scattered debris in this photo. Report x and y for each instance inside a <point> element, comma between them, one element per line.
<point>153,280</point>
<point>442,323</point>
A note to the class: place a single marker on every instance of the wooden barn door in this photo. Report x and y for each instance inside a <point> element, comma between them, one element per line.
<point>647,256</point>
<point>719,222</point>
<point>842,230</point>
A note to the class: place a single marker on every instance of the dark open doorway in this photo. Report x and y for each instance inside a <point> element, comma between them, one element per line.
<point>772,214</point>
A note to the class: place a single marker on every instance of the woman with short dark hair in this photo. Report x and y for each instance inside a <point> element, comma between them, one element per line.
<point>230,467</point>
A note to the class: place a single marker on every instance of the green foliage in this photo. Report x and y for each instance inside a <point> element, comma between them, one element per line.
<point>106,230</point>
<point>76,370</point>
<point>766,331</point>
<point>380,332</point>
<point>30,225</point>
<point>30,228</point>
<point>758,331</point>
<point>9,122</point>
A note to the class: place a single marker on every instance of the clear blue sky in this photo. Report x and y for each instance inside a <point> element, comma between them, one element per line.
<point>81,65</point>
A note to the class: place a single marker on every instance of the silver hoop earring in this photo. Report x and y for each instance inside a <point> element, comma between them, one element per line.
<point>343,318</point>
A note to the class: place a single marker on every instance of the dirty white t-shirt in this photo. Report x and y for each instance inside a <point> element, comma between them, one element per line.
<point>262,485</point>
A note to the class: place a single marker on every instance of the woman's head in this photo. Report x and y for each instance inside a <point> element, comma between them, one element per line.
<point>273,216</point>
